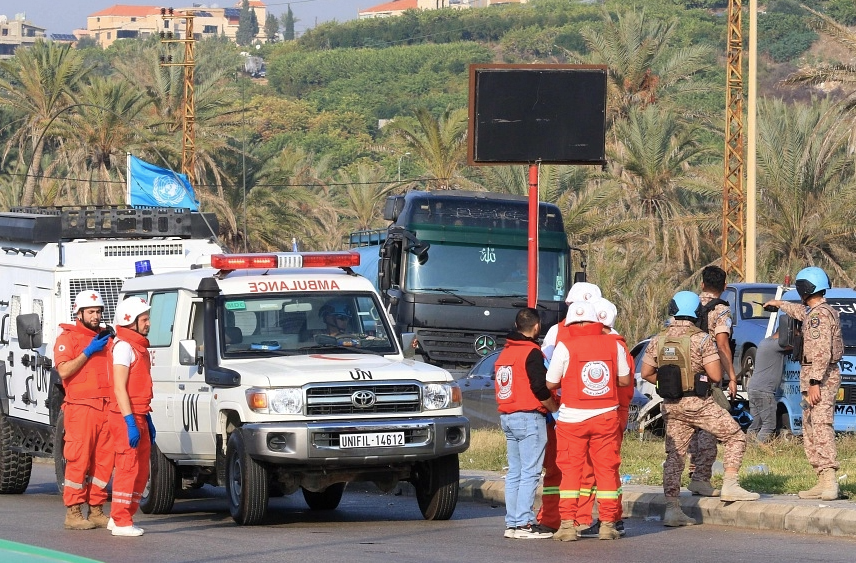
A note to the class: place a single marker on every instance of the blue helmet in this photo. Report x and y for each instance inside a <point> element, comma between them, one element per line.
<point>684,304</point>
<point>811,280</point>
<point>338,308</point>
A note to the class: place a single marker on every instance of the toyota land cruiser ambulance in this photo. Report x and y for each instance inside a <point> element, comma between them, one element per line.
<point>252,391</point>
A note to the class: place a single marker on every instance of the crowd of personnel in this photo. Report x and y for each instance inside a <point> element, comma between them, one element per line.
<point>563,405</point>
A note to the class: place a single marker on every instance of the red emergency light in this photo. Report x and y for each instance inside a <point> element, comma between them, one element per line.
<point>343,259</point>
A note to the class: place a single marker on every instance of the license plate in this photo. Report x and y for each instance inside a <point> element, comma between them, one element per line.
<point>373,440</point>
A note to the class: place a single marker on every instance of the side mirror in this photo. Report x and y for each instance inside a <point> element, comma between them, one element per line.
<point>408,345</point>
<point>187,354</point>
<point>29,331</point>
<point>790,335</point>
<point>579,276</point>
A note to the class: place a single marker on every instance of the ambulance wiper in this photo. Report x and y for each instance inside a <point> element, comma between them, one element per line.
<point>450,292</point>
<point>350,349</point>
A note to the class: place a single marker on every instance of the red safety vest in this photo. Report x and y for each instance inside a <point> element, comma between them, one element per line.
<point>140,390</point>
<point>591,379</point>
<point>625,394</point>
<point>91,384</point>
<point>513,393</point>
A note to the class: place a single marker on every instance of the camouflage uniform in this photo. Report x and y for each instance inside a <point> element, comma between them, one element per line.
<point>703,445</point>
<point>822,349</point>
<point>684,416</point>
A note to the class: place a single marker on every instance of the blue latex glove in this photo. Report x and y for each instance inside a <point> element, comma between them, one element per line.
<point>133,431</point>
<point>98,343</point>
<point>151,426</point>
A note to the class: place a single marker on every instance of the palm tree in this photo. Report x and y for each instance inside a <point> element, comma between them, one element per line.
<point>364,196</point>
<point>643,67</point>
<point>654,157</point>
<point>41,83</point>
<point>807,189</point>
<point>440,145</point>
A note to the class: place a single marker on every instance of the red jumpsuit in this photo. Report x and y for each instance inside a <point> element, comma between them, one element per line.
<point>590,383</point>
<point>88,452</point>
<point>132,464</point>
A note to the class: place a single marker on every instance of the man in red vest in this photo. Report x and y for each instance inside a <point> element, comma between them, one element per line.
<point>523,402</point>
<point>82,364</point>
<point>130,421</point>
<point>588,366</point>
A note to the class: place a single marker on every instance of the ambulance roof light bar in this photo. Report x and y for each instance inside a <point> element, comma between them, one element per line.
<point>229,262</point>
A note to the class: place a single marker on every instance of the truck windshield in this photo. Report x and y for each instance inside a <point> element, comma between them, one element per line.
<point>275,325</point>
<point>490,271</point>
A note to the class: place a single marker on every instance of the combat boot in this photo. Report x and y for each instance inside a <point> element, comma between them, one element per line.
<point>674,516</point>
<point>703,488</point>
<point>732,491</point>
<point>608,531</point>
<point>566,532</point>
<point>829,482</point>
<point>815,491</point>
<point>97,516</point>
<point>74,519</point>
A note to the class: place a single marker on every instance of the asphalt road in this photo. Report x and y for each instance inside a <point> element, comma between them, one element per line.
<point>374,527</point>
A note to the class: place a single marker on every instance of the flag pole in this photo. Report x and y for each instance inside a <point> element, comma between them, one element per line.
<point>128,183</point>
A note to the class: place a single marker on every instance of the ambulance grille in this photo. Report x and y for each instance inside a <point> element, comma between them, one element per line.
<point>388,399</point>
<point>144,249</point>
<point>108,288</point>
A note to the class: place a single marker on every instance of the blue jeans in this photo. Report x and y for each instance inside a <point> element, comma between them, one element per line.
<point>526,440</point>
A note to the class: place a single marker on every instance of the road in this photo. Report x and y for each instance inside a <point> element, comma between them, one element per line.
<point>371,527</point>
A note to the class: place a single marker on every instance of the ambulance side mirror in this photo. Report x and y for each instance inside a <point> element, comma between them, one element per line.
<point>29,331</point>
<point>187,354</point>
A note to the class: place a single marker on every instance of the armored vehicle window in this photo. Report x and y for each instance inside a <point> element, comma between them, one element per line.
<point>162,318</point>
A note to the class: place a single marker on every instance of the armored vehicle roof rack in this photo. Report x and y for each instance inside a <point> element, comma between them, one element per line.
<point>51,224</point>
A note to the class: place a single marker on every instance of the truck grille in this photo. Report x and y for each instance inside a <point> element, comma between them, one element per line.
<point>453,346</point>
<point>339,399</point>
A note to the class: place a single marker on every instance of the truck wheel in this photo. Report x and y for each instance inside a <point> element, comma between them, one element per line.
<point>328,499</point>
<point>747,366</point>
<point>246,483</point>
<point>59,451</point>
<point>159,494</point>
<point>15,467</point>
<point>436,483</point>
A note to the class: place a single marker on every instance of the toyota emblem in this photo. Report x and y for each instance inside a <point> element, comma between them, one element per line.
<point>484,344</point>
<point>363,399</point>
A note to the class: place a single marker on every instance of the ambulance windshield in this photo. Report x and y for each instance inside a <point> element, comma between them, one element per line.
<point>293,324</point>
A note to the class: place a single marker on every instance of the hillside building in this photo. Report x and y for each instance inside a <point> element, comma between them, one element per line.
<point>398,7</point>
<point>17,32</point>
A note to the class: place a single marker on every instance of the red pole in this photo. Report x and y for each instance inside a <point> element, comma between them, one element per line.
<point>533,235</point>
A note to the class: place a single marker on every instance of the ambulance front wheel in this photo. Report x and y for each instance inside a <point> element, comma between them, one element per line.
<point>247,483</point>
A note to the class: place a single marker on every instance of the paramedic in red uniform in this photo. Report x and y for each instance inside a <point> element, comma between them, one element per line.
<point>588,366</point>
<point>82,363</point>
<point>130,418</point>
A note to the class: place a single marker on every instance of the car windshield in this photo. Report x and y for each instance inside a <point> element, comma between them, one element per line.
<point>277,325</point>
<point>483,270</point>
<point>752,303</point>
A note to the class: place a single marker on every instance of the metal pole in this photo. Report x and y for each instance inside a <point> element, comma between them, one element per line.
<point>751,146</point>
<point>533,235</point>
<point>399,164</point>
<point>244,157</point>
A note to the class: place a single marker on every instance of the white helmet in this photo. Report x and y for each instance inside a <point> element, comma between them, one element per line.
<point>128,310</point>
<point>581,311</point>
<point>87,298</point>
<point>583,291</point>
<point>606,311</point>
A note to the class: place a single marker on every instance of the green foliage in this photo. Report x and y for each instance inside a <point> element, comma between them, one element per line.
<point>288,25</point>
<point>784,35</point>
<point>248,25</point>
<point>842,11</point>
<point>271,28</point>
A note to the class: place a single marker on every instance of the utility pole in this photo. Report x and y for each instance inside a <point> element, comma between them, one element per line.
<point>188,146</point>
<point>733,194</point>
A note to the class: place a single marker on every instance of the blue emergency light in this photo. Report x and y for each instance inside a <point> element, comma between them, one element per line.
<point>143,268</point>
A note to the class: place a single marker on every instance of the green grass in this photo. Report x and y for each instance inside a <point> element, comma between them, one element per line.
<point>788,472</point>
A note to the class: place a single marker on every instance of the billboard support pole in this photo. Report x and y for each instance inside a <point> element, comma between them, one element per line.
<point>533,234</point>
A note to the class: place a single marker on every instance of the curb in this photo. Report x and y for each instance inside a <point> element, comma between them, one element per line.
<point>785,513</point>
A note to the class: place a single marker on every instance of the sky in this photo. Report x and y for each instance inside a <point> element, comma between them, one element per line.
<point>63,16</point>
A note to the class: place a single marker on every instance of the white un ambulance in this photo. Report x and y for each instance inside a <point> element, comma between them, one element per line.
<point>255,391</point>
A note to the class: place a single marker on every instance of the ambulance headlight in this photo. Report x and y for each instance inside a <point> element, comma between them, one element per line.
<point>286,401</point>
<point>441,396</point>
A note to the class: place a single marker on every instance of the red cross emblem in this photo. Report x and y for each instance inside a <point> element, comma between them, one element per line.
<point>127,318</point>
<point>94,297</point>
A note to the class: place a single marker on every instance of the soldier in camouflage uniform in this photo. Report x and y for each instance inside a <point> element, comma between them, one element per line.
<point>819,376</point>
<point>690,412</point>
<point>703,445</point>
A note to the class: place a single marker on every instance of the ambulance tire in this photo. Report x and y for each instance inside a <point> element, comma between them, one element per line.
<point>15,467</point>
<point>59,451</point>
<point>328,499</point>
<point>247,483</point>
<point>436,484</point>
<point>159,494</point>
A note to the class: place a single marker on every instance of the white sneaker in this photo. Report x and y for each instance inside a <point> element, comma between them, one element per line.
<point>111,525</point>
<point>127,531</point>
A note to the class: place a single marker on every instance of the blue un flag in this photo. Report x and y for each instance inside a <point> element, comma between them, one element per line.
<point>153,186</point>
